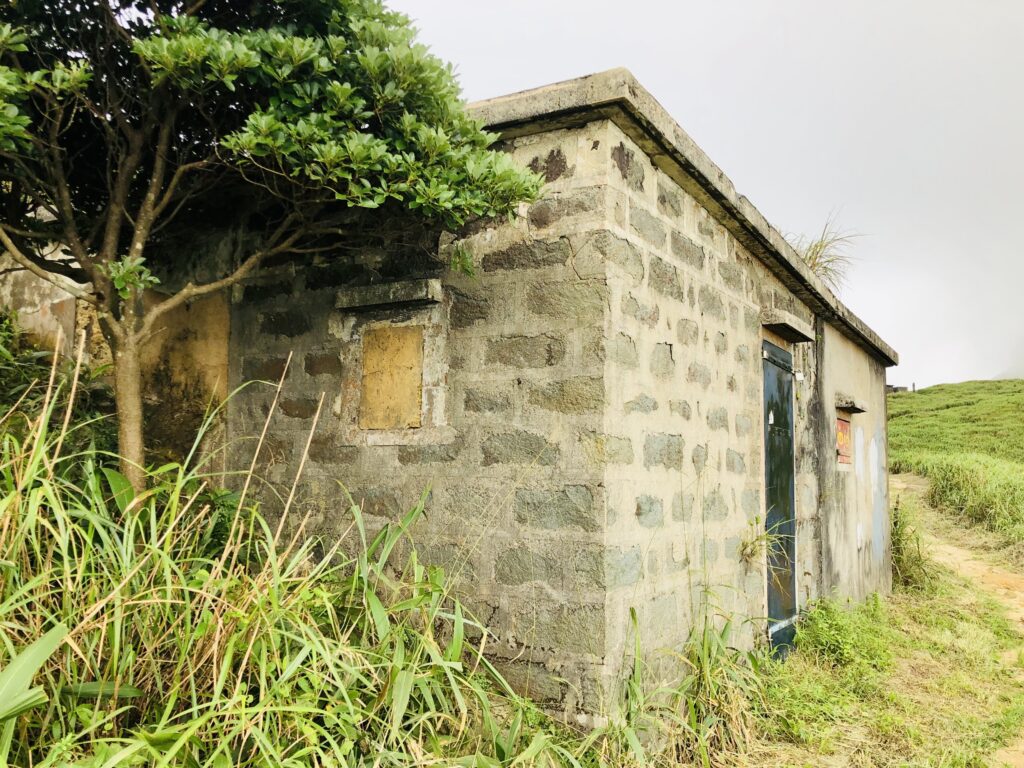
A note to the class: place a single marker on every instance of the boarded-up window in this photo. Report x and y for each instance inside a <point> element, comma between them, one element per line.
<point>844,441</point>
<point>392,389</point>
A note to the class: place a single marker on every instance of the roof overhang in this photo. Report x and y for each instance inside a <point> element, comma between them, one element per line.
<point>616,95</point>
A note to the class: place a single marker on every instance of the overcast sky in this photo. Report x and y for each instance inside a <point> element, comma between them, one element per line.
<point>906,117</point>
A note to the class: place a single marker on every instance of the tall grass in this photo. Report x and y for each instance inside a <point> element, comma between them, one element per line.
<point>984,490</point>
<point>966,439</point>
<point>202,634</point>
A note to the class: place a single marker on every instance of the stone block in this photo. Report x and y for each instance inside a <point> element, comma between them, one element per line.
<point>665,450</point>
<point>641,404</point>
<point>518,447</point>
<point>533,681</point>
<point>585,567</point>
<point>584,302</point>
<point>698,373</point>
<point>528,254</point>
<point>290,323</point>
<point>609,449</point>
<point>377,502</point>
<point>468,308</point>
<point>734,462</point>
<point>732,275</point>
<point>553,166</point>
<point>430,454</point>
<point>718,418</point>
<point>526,351</point>
<point>267,292</point>
<point>264,368</point>
<point>622,350</point>
<point>484,401</point>
<point>687,332</point>
<point>324,449</point>
<point>680,408</point>
<point>711,302</point>
<point>323,363</point>
<point>721,343</point>
<point>579,394</point>
<point>750,503</point>
<point>569,507</point>
<point>646,314</point>
<point>646,225</point>
<point>682,506</point>
<point>699,457</point>
<point>552,209</point>
<point>618,251</point>
<point>715,507</point>
<point>662,362</point>
<point>744,424</point>
<point>670,202</point>
<point>631,168</point>
<point>650,512</point>
<point>687,251</point>
<point>623,567</point>
<point>664,278</point>
<point>299,407</point>
<point>521,565</point>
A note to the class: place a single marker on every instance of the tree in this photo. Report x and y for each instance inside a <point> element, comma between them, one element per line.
<point>122,121</point>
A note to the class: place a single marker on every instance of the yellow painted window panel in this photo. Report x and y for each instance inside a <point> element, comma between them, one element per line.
<point>392,392</point>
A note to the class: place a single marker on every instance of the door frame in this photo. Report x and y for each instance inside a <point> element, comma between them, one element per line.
<point>780,633</point>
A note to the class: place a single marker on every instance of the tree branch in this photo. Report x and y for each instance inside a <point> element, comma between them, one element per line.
<point>40,272</point>
<point>192,291</point>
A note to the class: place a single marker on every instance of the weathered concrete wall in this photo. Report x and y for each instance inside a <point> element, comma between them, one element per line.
<point>185,363</point>
<point>856,556</point>
<point>512,407</point>
<point>588,415</point>
<point>684,417</point>
<point>44,311</point>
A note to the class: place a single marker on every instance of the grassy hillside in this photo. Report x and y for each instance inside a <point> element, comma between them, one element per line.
<point>969,440</point>
<point>984,417</point>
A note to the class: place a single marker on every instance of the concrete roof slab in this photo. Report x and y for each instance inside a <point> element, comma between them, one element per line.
<point>617,96</point>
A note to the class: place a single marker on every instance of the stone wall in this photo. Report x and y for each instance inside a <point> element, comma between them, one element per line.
<point>588,429</point>
<point>510,445</point>
<point>684,390</point>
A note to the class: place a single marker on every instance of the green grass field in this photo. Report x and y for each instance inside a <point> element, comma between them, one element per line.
<point>968,439</point>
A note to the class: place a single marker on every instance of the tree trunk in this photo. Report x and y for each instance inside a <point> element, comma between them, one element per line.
<point>128,397</point>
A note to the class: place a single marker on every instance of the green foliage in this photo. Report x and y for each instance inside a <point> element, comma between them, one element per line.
<point>923,679</point>
<point>911,568</point>
<point>17,695</point>
<point>844,637</point>
<point>966,439</point>
<point>330,96</point>
<point>25,373</point>
<point>255,652</point>
<point>131,274</point>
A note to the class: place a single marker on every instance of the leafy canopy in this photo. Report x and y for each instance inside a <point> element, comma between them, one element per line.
<point>317,105</point>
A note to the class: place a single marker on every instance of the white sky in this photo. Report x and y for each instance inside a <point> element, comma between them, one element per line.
<point>906,117</point>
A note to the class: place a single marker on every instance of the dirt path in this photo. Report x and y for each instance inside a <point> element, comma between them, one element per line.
<point>1003,584</point>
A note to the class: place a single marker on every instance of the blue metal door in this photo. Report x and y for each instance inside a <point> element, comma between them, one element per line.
<point>780,505</point>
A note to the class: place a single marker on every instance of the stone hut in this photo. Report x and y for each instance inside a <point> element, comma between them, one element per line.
<point>643,400</point>
<point>641,388</point>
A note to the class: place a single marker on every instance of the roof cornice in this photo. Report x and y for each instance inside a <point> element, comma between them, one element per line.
<point>617,96</point>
